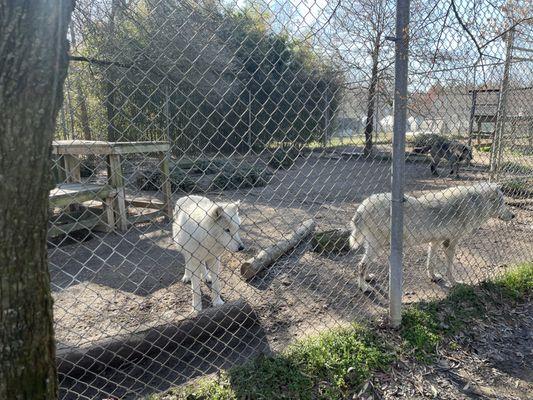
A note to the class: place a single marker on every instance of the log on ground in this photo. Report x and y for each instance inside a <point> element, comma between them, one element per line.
<point>266,257</point>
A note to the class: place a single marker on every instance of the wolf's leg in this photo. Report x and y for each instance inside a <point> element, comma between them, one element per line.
<point>206,272</point>
<point>214,269</point>
<point>196,270</point>
<point>429,264</point>
<point>449,251</point>
<point>187,274</point>
<point>367,259</point>
<point>455,166</point>
<point>435,161</point>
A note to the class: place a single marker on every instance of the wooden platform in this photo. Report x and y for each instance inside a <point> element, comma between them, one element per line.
<point>76,193</point>
<point>68,194</point>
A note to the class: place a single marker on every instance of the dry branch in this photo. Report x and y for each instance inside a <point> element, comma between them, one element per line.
<point>266,257</point>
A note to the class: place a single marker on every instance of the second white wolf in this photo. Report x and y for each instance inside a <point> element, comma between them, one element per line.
<point>442,217</point>
<point>202,230</point>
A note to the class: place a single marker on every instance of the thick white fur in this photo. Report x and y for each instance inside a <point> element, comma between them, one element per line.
<point>202,230</point>
<point>442,217</point>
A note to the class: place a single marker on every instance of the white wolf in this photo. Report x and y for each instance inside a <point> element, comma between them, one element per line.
<point>202,230</point>
<point>442,217</point>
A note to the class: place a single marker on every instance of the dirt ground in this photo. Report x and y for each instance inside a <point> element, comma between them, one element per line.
<point>115,283</point>
<point>490,359</point>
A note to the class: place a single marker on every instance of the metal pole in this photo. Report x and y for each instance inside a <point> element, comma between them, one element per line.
<point>249,120</point>
<point>326,120</point>
<point>167,114</point>
<point>502,110</point>
<point>398,161</point>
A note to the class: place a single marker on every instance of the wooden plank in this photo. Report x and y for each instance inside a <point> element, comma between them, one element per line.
<point>73,193</point>
<point>145,202</point>
<point>81,147</point>
<point>140,147</point>
<point>87,147</point>
<point>86,223</point>
<point>146,217</point>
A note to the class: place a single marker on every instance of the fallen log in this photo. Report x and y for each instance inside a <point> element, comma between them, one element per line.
<point>266,257</point>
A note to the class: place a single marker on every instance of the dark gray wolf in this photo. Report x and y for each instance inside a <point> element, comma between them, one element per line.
<point>442,217</point>
<point>450,150</point>
<point>202,231</point>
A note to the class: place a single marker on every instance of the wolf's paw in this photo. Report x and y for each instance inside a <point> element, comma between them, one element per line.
<point>186,279</point>
<point>208,278</point>
<point>365,287</point>
<point>197,308</point>
<point>448,284</point>
<point>218,302</point>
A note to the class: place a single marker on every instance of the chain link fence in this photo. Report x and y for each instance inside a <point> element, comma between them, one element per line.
<point>276,118</point>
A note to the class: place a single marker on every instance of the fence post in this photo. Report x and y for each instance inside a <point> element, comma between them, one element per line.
<point>166,111</point>
<point>398,160</point>
<point>249,127</point>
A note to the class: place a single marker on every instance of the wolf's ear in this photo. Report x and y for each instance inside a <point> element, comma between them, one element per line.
<point>216,211</point>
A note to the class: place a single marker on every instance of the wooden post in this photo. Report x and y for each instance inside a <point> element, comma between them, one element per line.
<point>472,117</point>
<point>116,179</point>
<point>165,184</point>
<point>72,168</point>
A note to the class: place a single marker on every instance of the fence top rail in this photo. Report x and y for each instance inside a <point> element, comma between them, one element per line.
<point>83,147</point>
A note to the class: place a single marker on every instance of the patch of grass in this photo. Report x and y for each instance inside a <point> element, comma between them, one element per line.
<point>420,330</point>
<point>424,325</point>
<point>179,180</point>
<point>344,358</point>
<point>335,364</point>
<point>327,366</point>
<point>516,284</point>
<point>335,241</point>
<point>241,176</point>
<point>283,157</point>
<point>484,148</point>
<point>203,165</point>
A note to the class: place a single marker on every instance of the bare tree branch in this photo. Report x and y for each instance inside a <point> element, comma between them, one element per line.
<point>466,29</point>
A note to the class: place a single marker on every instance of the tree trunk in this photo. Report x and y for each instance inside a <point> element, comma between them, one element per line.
<point>80,95</point>
<point>109,84</point>
<point>33,50</point>
<point>371,101</point>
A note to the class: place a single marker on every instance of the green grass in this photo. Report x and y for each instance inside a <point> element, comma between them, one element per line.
<point>486,148</point>
<point>327,366</point>
<point>516,284</point>
<point>336,363</point>
<point>424,325</point>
